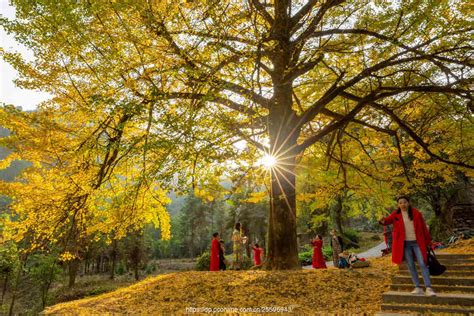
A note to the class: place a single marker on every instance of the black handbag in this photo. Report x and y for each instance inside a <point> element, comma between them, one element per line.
<point>434,266</point>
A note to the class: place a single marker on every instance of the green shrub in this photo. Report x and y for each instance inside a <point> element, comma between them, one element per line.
<point>307,247</point>
<point>121,269</point>
<point>247,263</point>
<point>150,268</point>
<point>439,229</point>
<point>327,252</point>
<point>203,262</point>
<point>305,258</point>
<point>351,238</point>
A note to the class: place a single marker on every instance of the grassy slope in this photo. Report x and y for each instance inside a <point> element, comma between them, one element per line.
<point>304,291</point>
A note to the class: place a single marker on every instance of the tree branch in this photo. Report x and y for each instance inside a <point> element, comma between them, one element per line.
<point>408,130</point>
<point>209,98</point>
<point>317,19</point>
<point>264,13</point>
<point>337,125</point>
<point>302,12</point>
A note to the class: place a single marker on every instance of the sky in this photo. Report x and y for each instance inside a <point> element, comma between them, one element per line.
<point>9,93</point>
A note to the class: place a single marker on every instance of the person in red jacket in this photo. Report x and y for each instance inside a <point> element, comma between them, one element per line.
<point>257,253</point>
<point>318,258</point>
<point>215,246</point>
<point>410,236</point>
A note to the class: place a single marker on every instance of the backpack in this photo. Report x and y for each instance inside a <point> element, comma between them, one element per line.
<point>342,263</point>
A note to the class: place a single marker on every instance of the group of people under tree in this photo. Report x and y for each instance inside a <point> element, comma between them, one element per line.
<point>318,260</point>
<point>409,239</point>
<point>217,259</point>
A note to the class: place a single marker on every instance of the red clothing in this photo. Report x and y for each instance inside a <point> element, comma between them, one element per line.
<point>215,246</point>
<point>257,252</point>
<point>423,237</point>
<point>318,258</point>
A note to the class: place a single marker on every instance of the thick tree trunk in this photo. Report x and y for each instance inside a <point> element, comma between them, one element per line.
<point>337,216</point>
<point>282,239</point>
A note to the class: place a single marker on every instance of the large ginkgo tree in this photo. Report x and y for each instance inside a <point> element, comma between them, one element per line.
<point>280,74</point>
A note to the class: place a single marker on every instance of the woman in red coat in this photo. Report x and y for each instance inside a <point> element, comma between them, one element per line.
<point>318,258</point>
<point>410,236</point>
<point>215,246</point>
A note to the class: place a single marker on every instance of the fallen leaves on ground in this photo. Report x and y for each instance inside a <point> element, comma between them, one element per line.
<point>301,291</point>
<point>461,246</point>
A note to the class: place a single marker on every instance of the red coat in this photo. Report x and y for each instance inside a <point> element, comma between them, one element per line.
<point>318,258</point>
<point>215,255</point>
<point>257,252</point>
<point>423,237</point>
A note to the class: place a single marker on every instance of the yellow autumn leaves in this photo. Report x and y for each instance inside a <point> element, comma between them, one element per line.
<point>305,291</point>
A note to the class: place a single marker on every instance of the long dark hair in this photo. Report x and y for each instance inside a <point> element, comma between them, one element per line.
<point>410,211</point>
<point>320,238</point>
<point>237,226</point>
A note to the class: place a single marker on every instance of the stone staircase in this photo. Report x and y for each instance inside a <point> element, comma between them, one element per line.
<point>454,288</point>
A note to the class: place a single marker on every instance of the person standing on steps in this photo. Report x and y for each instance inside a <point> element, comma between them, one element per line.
<point>410,236</point>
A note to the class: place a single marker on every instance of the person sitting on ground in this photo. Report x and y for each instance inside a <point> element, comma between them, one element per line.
<point>343,261</point>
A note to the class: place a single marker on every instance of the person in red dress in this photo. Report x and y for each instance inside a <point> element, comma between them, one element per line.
<point>257,253</point>
<point>318,258</point>
<point>215,246</point>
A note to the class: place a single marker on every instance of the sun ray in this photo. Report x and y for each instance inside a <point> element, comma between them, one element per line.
<point>287,180</point>
<point>285,197</point>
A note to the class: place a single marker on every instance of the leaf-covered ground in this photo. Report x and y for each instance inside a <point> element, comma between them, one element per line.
<point>461,246</point>
<point>302,291</point>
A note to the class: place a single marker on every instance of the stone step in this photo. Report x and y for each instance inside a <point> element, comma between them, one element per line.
<point>441,255</point>
<point>437,288</point>
<point>425,309</point>
<point>460,299</point>
<point>453,262</point>
<point>450,267</point>
<point>439,280</point>
<point>447,273</point>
